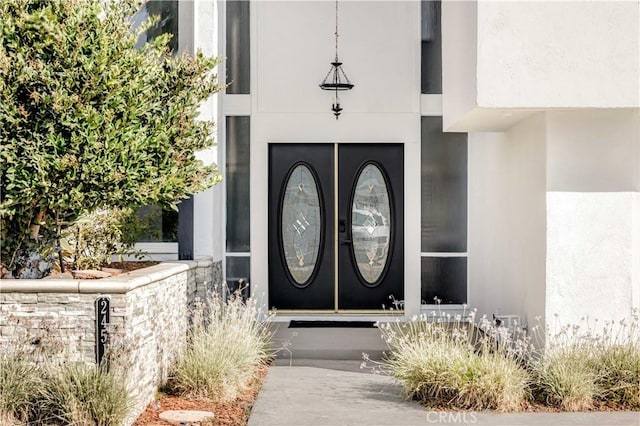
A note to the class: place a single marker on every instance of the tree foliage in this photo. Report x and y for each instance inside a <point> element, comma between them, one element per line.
<point>88,120</point>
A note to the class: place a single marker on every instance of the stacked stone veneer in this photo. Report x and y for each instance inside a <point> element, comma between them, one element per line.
<point>151,311</point>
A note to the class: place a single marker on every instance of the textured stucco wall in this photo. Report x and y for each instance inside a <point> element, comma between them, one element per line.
<point>571,54</point>
<point>459,58</point>
<point>592,255</point>
<point>593,150</point>
<point>150,313</point>
<point>511,59</point>
<point>507,220</point>
<point>293,44</point>
<point>593,259</point>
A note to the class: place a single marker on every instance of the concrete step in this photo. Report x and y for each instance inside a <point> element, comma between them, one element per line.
<point>326,343</point>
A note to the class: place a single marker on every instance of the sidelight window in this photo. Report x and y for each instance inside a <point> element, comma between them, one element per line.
<point>431,47</point>
<point>238,204</point>
<point>444,214</point>
<point>237,48</point>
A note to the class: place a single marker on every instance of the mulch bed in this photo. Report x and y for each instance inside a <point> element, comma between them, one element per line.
<point>235,413</point>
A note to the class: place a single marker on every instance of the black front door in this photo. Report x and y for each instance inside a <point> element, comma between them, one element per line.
<point>335,226</point>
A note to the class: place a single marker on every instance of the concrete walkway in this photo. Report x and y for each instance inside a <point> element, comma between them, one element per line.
<point>303,392</point>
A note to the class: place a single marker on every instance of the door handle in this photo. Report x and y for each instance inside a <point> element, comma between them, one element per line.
<point>345,241</point>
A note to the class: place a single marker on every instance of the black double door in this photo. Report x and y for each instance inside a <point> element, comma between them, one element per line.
<point>335,226</point>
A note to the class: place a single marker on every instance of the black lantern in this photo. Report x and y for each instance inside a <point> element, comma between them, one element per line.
<point>336,79</point>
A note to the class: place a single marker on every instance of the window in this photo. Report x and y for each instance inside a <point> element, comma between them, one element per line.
<point>167,10</point>
<point>431,47</point>
<point>158,225</point>
<point>237,48</point>
<point>237,199</point>
<point>444,213</point>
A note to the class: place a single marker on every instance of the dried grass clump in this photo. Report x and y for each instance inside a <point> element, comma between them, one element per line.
<point>224,352</point>
<point>453,364</point>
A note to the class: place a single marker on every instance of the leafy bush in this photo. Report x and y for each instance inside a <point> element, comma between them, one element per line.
<point>87,119</point>
<point>223,353</point>
<point>454,365</point>
<point>95,237</point>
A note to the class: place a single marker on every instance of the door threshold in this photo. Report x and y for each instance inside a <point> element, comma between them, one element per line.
<point>380,316</point>
<point>284,319</point>
<point>320,312</point>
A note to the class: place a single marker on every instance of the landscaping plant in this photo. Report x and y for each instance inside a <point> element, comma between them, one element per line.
<point>581,366</point>
<point>563,378</point>
<point>95,237</point>
<point>20,383</point>
<point>450,363</point>
<point>80,394</point>
<point>224,352</point>
<point>618,374</point>
<point>41,384</point>
<point>89,119</point>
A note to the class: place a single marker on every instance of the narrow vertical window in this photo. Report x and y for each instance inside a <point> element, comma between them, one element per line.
<point>167,10</point>
<point>238,202</point>
<point>158,225</point>
<point>444,213</point>
<point>237,166</point>
<point>237,48</point>
<point>444,188</point>
<point>431,47</point>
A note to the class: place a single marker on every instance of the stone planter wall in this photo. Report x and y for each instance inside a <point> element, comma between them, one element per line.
<point>150,311</point>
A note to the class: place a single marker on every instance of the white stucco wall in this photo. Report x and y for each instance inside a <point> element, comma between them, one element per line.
<point>459,57</point>
<point>593,254</point>
<point>507,238</point>
<point>294,44</point>
<point>579,54</point>
<point>528,56</point>
<point>593,150</point>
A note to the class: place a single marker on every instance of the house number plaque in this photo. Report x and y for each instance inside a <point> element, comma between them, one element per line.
<point>102,325</point>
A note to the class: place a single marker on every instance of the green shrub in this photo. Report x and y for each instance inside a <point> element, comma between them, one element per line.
<point>454,366</point>
<point>223,353</point>
<point>95,237</point>
<point>89,119</point>
<point>79,394</point>
<point>20,382</point>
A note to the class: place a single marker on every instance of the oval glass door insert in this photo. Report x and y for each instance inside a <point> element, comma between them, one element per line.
<point>371,223</point>
<point>301,223</point>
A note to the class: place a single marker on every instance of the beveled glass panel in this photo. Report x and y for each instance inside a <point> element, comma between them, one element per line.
<point>301,223</point>
<point>371,223</point>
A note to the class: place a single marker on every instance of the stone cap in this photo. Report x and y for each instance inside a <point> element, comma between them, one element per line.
<point>118,284</point>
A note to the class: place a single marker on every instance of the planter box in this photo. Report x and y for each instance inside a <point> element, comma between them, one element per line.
<point>150,311</point>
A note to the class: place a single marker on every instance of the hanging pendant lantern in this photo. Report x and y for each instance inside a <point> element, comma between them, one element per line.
<point>336,79</point>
